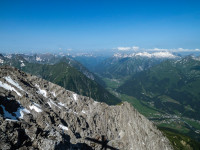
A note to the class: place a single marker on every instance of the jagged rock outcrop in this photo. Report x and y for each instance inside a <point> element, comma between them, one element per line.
<point>37,114</point>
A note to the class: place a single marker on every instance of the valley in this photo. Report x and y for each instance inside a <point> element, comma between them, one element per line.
<point>37,114</point>
<point>176,127</point>
<point>100,75</point>
<point>65,72</point>
<point>159,88</point>
<point>165,112</point>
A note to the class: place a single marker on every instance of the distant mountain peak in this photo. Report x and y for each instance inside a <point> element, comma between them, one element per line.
<point>147,54</point>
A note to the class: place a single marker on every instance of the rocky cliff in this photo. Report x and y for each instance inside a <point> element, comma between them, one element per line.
<point>36,114</point>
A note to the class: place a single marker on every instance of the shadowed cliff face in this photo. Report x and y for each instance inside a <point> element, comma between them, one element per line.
<point>35,113</point>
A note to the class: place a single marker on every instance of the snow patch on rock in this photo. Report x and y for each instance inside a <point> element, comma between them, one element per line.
<point>11,81</point>
<point>53,93</point>
<point>41,91</point>
<point>1,61</point>
<point>61,104</point>
<point>35,107</point>
<point>63,127</point>
<point>22,110</point>
<point>18,114</point>
<point>38,59</point>
<point>83,111</point>
<point>52,102</point>
<point>75,97</point>
<point>8,87</point>
<point>7,114</point>
<point>22,65</point>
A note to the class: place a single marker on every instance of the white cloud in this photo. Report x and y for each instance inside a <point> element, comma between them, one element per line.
<point>123,48</point>
<point>181,49</point>
<point>160,49</point>
<point>157,49</point>
<point>163,55</point>
<point>156,54</point>
<point>172,50</point>
<point>184,50</point>
<point>144,54</point>
<point>135,48</point>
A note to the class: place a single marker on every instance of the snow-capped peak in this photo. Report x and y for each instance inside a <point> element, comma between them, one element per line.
<point>1,61</point>
<point>146,54</point>
<point>156,54</point>
<point>38,59</point>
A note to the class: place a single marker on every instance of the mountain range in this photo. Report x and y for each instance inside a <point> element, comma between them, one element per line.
<point>37,114</point>
<point>65,75</point>
<point>162,86</point>
<point>172,86</point>
<point>121,66</point>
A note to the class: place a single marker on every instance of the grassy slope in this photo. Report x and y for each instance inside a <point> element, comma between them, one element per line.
<point>179,130</point>
<point>71,79</point>
<point>173,88</point>
<point>180,141</point>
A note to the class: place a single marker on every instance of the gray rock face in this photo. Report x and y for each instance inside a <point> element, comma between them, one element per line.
<point>36,114</point>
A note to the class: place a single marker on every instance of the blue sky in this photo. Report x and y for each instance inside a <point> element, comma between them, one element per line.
<point>42,26</point>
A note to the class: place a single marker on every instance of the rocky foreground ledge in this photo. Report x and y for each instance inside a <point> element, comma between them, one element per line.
<point>37,114</point>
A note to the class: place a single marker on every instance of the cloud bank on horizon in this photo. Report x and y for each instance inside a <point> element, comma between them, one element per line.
<point>137,48</point>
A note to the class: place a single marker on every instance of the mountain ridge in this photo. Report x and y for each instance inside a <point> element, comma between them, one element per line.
<point>178,79</point>
<point>123,66</point>
<point>51,117</point>
<point>66,76</point>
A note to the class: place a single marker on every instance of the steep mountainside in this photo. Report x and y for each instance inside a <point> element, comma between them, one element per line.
<point>172,86</point>
<point>65,76</point>
<point>13,60</point>
<point>70,61</point>
<point>71,79</point>
<point>36,114</point>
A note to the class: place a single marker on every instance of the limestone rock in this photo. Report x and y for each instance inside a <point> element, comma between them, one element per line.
<point>37,114</point>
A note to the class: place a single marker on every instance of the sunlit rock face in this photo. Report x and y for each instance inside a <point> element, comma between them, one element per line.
<point>36,114</point>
